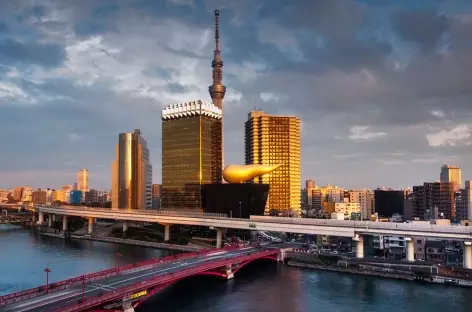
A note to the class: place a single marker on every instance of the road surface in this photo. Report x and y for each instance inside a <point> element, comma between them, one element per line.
<point>72,295</point>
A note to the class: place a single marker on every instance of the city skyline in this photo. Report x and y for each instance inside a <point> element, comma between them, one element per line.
<point>74,76</point>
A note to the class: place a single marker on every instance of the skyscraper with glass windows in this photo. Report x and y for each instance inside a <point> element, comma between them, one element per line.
<point>191,153</point>
<point>132,173</point>
<point>273,140</point>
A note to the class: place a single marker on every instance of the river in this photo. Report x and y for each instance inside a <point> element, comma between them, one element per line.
<point>261,286</point>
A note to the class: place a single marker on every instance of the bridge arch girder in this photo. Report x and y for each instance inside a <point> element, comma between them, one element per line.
<point>158,288</point>
<point>244,263</point>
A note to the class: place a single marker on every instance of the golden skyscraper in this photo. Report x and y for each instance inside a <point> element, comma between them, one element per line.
<point>83,181</point>
<point>274,140</point>
<point>132,173</point>
<point>191,153</point>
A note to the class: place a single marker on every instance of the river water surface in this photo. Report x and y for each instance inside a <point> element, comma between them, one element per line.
<point>261,286</point>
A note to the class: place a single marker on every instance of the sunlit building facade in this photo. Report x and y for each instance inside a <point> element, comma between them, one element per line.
<point>272,140</point>
<point>132,173</point>
<point>191,153</point>
<point>451,173</point>
<point>83,180</point>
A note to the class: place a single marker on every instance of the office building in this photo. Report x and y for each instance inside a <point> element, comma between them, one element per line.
<point>39,197</point>
<point>365,198</point>
<point>156,190</point>
<point>461,202</point>
<point>76,197</point>
<point>191,153</point>
<point>347,209</point>
<point>452,174</point>
<point>274,140</point>
<point>434,200</point>
<point>132,173</point>
<point>389,203</point>
<point>307,197</point>
<point>59,196</point>
<point>468,194</point>
<point>83,180</point>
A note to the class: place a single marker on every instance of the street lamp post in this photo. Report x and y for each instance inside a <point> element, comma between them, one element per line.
<point>240,211</point>
<point>47,270</point>
<point>83,287</point>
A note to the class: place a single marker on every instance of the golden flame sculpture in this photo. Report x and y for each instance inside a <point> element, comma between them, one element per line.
<point>243,173</point>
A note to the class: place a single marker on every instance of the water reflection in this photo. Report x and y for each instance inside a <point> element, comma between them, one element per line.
<point>260,286</point>
<point>26,254</point>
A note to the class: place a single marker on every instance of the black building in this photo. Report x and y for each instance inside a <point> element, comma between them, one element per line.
<point>235,200</point>
<point>388,203</point>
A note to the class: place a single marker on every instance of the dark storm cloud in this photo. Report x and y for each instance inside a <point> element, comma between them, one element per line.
<point>3,28</point>
<point>400,69</point>
<point>422,27</point>
<point>44,54</point>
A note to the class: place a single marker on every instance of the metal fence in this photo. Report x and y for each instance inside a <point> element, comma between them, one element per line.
<point>145,211</point>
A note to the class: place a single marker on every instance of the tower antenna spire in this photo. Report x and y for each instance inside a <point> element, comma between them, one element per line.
<point>217,89</point>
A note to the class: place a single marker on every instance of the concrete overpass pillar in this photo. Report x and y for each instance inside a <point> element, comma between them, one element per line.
<point>125,226</point>
<point>410,249</point>
<point>166,232</point>
<point>467,255</point>
<point>219,237</point>
<point>359,239</point>
<point>90,226</point>
<point>53,218</point>
<point>41,217</point>
<point>50,221</point>
<point>64,223</point>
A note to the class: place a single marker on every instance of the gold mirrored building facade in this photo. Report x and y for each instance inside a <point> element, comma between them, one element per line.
<point>132,173</point>
<point>191,153</point>
<point>275,140</point>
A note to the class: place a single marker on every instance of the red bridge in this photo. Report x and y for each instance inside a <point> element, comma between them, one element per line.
<point>124,288</point>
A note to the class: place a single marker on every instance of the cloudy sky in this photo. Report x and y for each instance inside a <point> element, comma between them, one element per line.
<point>383,88</point>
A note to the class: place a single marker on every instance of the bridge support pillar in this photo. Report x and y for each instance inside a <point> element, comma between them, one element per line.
<point>229,272</point>
<point>467,257</point>
<point>64,223</point>
<point>50,221</point>
<point>125,226</point>
<point>127,306</point>
<point>219,237</point>
<point>41,217</point>
<point>359,239</point>
<point>410,249</point>
<point>53,218</point>
<point>90,226</point>
<point>166,232</point>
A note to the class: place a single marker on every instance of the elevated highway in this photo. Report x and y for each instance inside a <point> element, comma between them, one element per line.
<point>353,229</point>
<point>275,224</point>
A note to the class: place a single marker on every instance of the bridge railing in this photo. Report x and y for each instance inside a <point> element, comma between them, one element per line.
<point>145,211</point>
<point>53,287</point>
<point>169,277</point>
